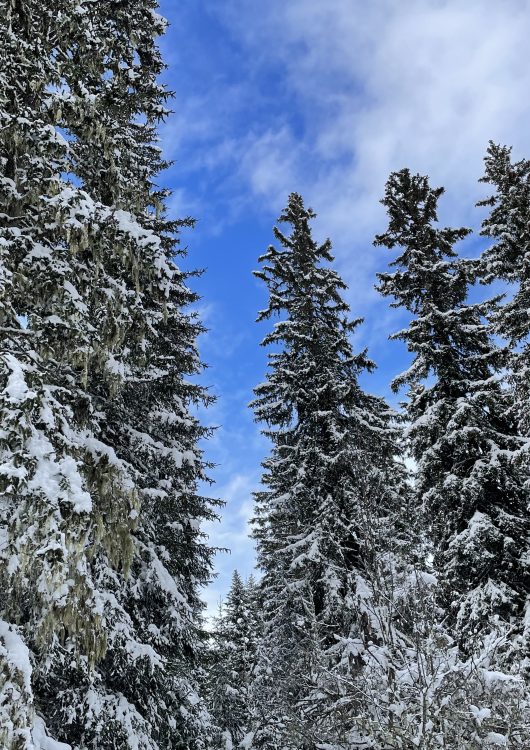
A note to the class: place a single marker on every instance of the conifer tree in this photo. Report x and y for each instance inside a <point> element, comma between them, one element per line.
<point>146,403</point>
<point>508,258</point>
<point>104,556</point>
<point>330,443</point>
<point>53,466</point>
<point>461,433</point>
<point>149,419</point>
<point>232,664</point>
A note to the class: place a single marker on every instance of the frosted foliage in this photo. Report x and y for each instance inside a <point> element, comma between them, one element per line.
<point>20,728</point>
<point>508,258</point>
<point>51,525</point>
<point>232,658</point>
<point>16,700</point>
<point>101,549</point>
<point>462,432</point>
<point>333,455</point>
<point>415,689</point>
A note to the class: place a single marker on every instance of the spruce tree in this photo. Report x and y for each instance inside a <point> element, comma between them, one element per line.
<point>54,469</point>
<point>146,400</point>
<point>460,430</point>
<point>508,258</point>
<point>104,555</point>
<point>331,443</point>
<point>232,664</point>
<point>149,421</point>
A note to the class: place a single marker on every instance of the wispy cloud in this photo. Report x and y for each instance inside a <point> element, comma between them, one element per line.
<point>375,86</point>
<point>233,532</point>
<point>335,95</point>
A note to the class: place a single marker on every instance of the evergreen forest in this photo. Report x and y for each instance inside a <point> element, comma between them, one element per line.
<point>390,605</point>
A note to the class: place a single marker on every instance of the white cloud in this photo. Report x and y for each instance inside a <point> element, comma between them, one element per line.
<point>233,533</point>
<point>379,86</point>
<point>364,88</point>
<point>268,162</point>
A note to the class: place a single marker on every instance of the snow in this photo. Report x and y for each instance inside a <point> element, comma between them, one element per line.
<point>178,456</point>
<point>493,677</point>
<point>128,224</point>
<point>38,252</point>
<point>16,653</point>
<point>247,741</point>
<point>17,390</point>
<point>479,714</point>
<point>41,740</point>
<point>166,581</point>
<point>58,479</point>
<point>115,367</point>
<point>494,738</point>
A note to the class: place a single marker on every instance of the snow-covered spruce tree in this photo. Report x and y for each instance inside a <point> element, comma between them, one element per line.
<point>328,438</point>
<point>108,349</point>
<point>508,224</point>
<point>255,607</point>
<point>52,465</point>
<point>144,397</point>
<point>232,660</point>
<point>461,433</point>
<point>152,427</point>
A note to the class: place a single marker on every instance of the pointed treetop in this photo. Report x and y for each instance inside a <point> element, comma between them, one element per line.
<point>428,250</point>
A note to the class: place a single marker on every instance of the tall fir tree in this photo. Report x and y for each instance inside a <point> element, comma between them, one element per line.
<point>104,555</point>
<point>331,443</point>
<point>461,433</point>
<point>508,258</point>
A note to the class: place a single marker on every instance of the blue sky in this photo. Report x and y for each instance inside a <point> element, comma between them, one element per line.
<point>322,97</point>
